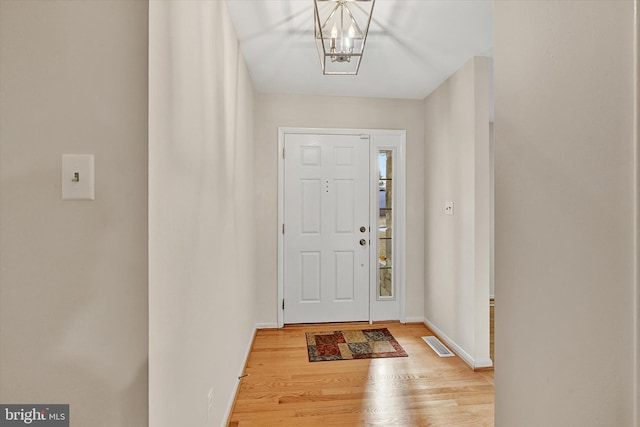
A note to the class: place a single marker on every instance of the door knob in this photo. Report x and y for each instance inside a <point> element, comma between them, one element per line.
<point>363,242</point>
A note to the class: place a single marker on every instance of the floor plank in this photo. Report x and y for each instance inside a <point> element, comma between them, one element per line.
<point>492,314</point>
<point>283,388</point>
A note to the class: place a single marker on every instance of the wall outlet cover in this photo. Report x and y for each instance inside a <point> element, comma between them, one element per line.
<point>448,208</point>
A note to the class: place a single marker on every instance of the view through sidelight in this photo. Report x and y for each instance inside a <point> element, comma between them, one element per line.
<point>385,224</point>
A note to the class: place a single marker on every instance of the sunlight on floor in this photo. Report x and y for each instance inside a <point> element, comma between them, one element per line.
<point>284,388</point>
<point>386,400</point>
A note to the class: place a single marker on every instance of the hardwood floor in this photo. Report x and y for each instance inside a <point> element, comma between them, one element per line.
<point>492,315</point>
<point>282,388</point>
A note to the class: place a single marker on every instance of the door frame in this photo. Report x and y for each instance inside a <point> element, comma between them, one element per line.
<point>378,139</point>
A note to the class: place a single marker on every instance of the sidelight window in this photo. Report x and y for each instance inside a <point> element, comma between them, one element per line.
<point>385,225</point>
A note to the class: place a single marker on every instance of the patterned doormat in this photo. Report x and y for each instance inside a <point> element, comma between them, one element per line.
<point>357,344</point>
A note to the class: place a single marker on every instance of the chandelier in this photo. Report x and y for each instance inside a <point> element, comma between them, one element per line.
<point>341,28</point>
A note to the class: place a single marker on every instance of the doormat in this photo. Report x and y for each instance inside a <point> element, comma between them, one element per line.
<point>356,344</point>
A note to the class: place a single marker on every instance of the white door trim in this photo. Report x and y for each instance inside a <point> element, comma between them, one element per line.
<point>400,192</point>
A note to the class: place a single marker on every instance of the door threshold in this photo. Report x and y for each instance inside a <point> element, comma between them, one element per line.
<point>339,324</point>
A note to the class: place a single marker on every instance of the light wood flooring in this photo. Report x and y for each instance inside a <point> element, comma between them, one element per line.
<point>492,315</point>
<point>282,388</point>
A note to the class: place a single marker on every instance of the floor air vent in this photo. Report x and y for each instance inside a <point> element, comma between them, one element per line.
<point>438,347</point>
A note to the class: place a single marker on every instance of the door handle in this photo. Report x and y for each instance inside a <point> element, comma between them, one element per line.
<point>363,242</point>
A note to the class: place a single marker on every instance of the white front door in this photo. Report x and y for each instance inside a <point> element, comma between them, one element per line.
<point>326,228</point>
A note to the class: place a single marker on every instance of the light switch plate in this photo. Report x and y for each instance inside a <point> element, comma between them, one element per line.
<point>448,208</point>
<point>78,177</point>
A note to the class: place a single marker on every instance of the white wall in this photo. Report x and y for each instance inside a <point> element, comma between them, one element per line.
<point>274,110</point>
<point>73,274</point>
<point>457,248</point>
<point>564,213</point>
<point>202,292</point>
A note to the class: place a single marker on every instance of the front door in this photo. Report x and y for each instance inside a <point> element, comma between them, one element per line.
<point>326,228</point>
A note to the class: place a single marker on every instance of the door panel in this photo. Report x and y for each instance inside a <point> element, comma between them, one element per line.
<point>345,215</point>
<point>311,202</point>
<point>326,201</point>
<point>345,268</point>
<point>310,277</point>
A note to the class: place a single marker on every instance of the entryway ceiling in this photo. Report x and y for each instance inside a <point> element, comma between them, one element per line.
<point>413,46</point>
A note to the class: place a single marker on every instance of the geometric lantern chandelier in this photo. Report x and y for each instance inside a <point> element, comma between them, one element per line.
<point>341,28</point>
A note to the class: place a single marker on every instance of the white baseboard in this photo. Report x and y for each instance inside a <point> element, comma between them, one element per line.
<point>237,384</point>
<point>266,326</point>
<point>483,363</point>
<point>414,319</point>
<point>473,363</point>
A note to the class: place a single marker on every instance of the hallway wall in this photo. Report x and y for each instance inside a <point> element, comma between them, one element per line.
<point>564,213</point>
<point>73,274</point>
<point>457,247</point>
<point>202,275</point>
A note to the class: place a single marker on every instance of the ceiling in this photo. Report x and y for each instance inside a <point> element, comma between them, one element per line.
<point>412,47</point>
